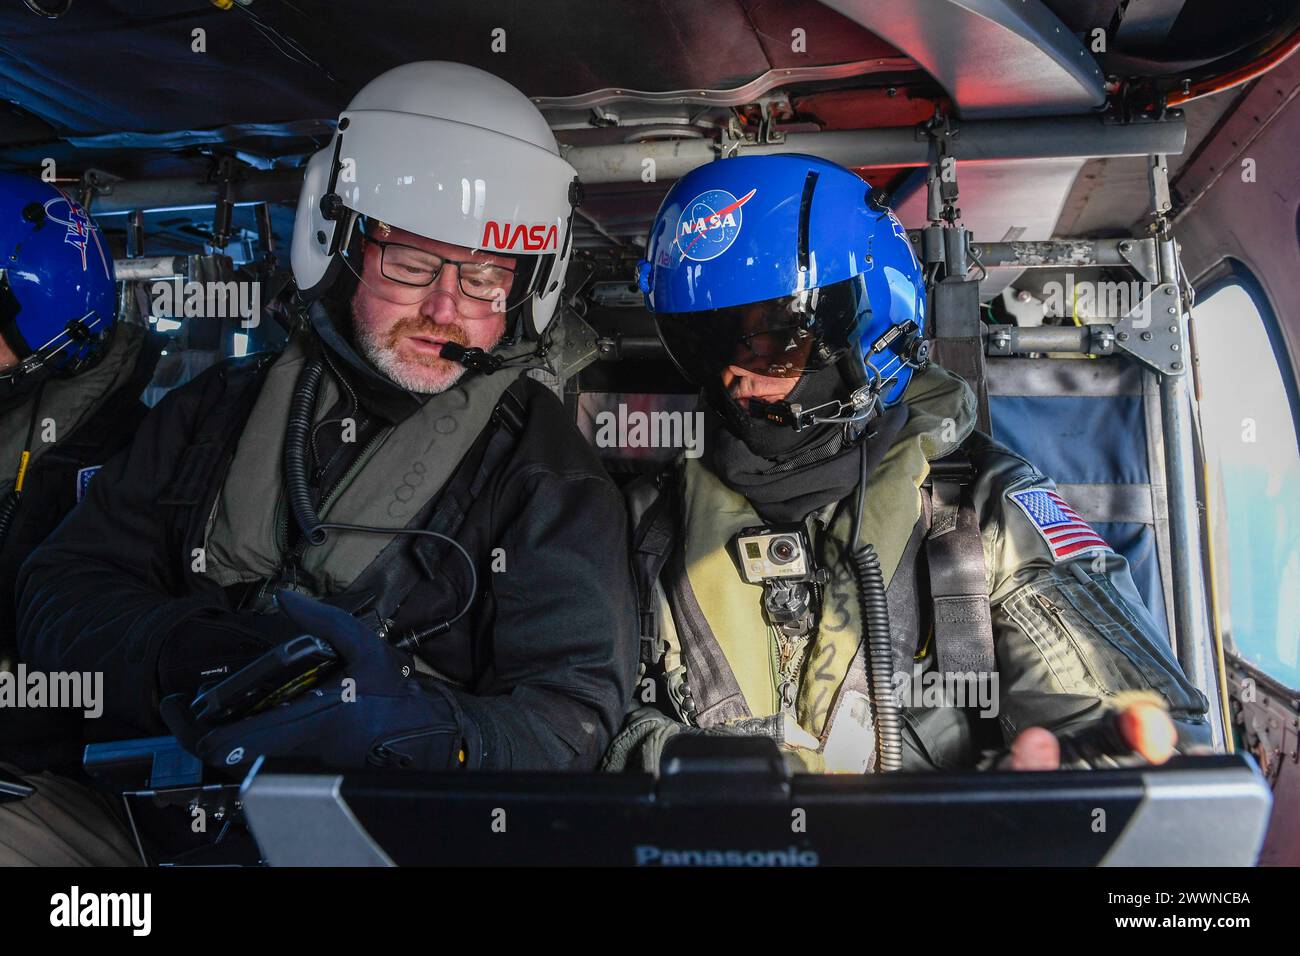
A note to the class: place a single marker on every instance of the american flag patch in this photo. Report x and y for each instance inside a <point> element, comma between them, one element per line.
<point>1061,527</point>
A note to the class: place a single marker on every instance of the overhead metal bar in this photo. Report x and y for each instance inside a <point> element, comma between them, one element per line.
<point>1138,254</point>
<point>151,195</point>
<point>150,267</point>
<point>1082,137</point>
<point>736,96</point>
<point>1038,138</point>
<point>994,57</point>
<point>1094,339</point>
<point>973,142</point>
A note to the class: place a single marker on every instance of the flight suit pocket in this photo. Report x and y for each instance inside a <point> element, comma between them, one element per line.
<point>1094,645</point>
<point>1132,648</point>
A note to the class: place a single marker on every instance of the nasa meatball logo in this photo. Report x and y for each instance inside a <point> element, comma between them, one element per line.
<point>710,223</point>
<point>77,225</point>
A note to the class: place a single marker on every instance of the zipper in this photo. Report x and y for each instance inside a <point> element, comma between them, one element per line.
<point>778,698</point>
<point>1057,614</point>
<point>356,466</point>
<point>353,408</point>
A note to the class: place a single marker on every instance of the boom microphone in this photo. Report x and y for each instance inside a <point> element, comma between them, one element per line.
<point>474,359</point>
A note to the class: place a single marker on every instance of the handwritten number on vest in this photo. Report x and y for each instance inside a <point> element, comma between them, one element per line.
<point>827,681</point>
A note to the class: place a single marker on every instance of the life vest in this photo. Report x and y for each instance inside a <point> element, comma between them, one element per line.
<point>391,481</point>
<point>227,505</point>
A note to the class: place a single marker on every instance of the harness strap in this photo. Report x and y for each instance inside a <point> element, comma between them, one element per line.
<point>657,553</point>
<point>379,591</point>
<point>958,339</point>
<point>963,623</point>
<point>714,688</point>
<point>652,543</point>
<point>209,452</point>
<point>908,597</point>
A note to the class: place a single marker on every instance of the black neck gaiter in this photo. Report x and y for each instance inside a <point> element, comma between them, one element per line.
<point>817,475</point>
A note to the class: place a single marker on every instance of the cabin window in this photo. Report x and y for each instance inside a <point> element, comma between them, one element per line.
<point>1252,456</point>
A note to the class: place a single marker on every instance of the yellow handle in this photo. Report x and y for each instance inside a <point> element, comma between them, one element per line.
<point>22,470</point>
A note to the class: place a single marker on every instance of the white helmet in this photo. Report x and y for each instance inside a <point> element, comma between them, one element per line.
<point>452,153</point>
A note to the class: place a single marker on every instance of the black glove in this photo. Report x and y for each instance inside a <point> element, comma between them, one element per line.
<point>213,644</point>
<point>373,711</point>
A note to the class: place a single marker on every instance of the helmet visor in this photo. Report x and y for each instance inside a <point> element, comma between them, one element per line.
<point>780,338</point>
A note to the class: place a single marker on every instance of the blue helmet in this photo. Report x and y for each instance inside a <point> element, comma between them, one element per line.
<point>58,298</point>
<point>783,264</point>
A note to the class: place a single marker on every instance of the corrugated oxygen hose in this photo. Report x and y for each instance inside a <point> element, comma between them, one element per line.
<point>880,659</point>
<point>302,410</point>
<point>8,510</point>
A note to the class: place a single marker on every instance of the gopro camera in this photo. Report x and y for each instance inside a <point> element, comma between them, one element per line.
<point>774,552</point>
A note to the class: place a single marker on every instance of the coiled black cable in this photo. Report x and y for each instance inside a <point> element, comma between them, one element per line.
<point>875,627</point>
<point>8,511</point>
<point>302,409</point>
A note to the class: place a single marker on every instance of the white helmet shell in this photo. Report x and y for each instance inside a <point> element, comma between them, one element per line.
<point>449,152</point>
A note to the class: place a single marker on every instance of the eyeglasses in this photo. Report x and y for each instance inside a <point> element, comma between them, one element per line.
<point>418,269</point>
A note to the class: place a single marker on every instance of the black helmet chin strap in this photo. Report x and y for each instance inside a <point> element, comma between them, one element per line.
<point>78,332</point>
<point>863,383</point>
<point>860,406</point>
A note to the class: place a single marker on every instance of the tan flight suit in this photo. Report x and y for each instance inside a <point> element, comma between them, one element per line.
<point>1069,632</point>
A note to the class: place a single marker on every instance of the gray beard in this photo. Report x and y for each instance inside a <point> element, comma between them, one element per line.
<point>385,360</point>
